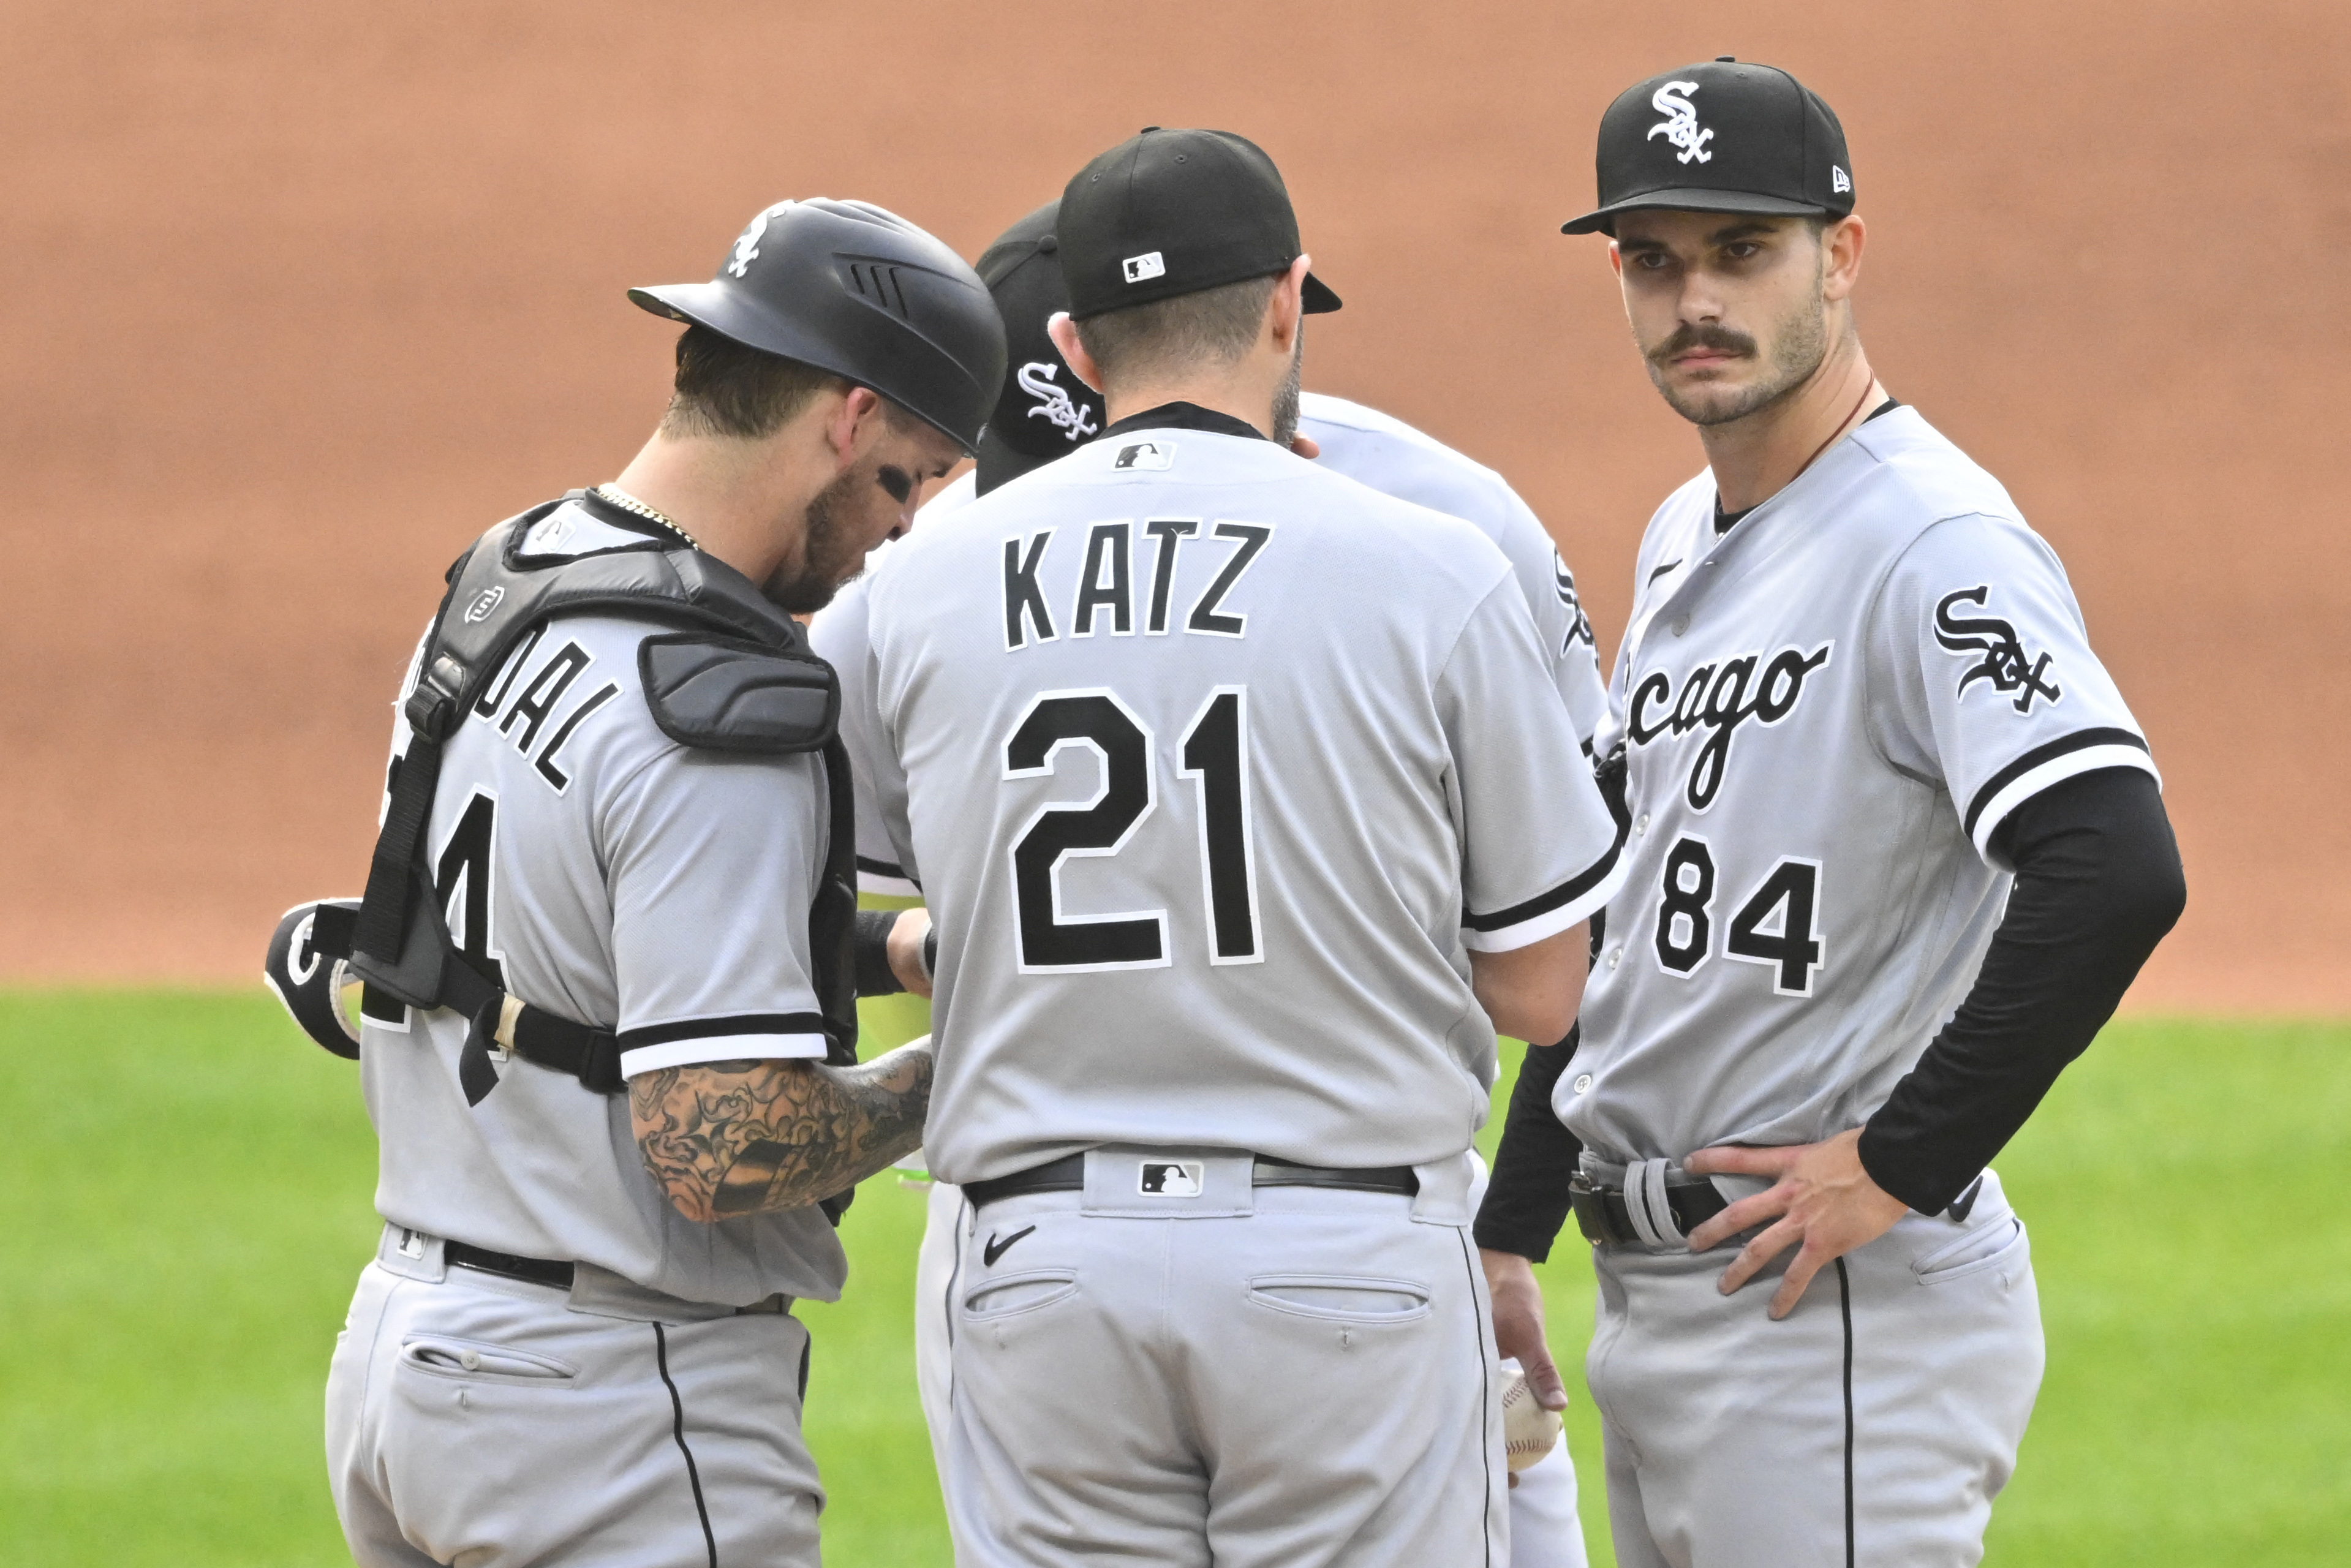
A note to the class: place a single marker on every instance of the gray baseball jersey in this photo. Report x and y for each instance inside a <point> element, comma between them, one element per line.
<point>611,876</point>
<point>1366,446</point>
<point>1828,711</point>
<point>1391,457</point>
<point>1209,797</point>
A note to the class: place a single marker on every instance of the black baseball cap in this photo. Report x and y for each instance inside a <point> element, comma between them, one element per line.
<point>1168,212</point>
<point>1044,409</point>
<point>1721,137</point>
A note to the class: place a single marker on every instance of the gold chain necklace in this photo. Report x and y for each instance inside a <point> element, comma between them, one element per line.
<point>627,503</point>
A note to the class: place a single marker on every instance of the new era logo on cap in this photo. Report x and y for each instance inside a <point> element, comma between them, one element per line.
<point>1143,268</point>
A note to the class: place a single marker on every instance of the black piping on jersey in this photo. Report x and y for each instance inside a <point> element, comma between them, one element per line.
<point>1485,1396</point>
<point>2080,740</point>
<point>1566,892</point>
<point>678,1431</point>
<point>872,867</point>
<point>1844,1305</point>
<point>720,1028</point>
<point>1670,565</point>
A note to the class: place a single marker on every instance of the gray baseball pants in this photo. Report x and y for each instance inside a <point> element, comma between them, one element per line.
<point>477,1419</point>
<point>1245,1377</point>
<point>1872,1426</point>
<point>1546,1531</point>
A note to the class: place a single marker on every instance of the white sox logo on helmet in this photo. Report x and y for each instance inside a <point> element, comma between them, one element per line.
<point>1679,125</point>
<point>2005,662</point>
<point>746,245</point>
<point>1054,402</point>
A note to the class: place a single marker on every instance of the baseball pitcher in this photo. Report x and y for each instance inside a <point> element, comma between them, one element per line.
<point>1896,850</point>
<point>1249,811</point>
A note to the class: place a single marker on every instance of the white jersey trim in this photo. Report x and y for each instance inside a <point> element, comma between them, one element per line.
<point>1551,922</point>
<point>2056,770</point>
<point>721,1048</point>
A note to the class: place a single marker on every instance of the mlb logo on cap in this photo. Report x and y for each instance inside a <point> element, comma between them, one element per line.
<point>1170,213</point>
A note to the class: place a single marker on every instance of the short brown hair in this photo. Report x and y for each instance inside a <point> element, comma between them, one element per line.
<point>1214,324</point>
<point>726,388</point>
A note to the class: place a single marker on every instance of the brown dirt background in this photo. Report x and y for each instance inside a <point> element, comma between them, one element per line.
<point>300,298</point>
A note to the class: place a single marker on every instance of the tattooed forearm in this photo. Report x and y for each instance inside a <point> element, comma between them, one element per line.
<point>729,1138</point>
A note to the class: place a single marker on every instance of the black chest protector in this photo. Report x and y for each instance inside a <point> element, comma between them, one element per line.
<point>734,673</point>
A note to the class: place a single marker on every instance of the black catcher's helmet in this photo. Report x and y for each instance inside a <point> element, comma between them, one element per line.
<point>851,288</point>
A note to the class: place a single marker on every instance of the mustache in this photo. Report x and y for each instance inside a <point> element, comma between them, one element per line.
<point>1700,335</point>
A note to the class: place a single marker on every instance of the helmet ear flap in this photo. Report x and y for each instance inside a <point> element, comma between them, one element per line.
<point>854,289</point>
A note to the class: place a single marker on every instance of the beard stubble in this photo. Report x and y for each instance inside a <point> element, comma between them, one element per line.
<point>828,557</point>
<point>1799,348</point>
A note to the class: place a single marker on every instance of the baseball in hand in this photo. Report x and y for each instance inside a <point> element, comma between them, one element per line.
<point>1529,1431</point>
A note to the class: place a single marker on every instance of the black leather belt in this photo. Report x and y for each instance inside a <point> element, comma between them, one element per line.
<point>531,1270</point>
<point>1601,1214</point>
<point>1067,1174</point>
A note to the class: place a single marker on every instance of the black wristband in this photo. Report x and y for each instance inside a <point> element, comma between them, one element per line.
<point>1526,1202</point>
<point>869,946</point>
<point>931,953</point>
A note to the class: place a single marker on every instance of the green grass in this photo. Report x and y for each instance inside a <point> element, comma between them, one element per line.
<point>184,1200</point>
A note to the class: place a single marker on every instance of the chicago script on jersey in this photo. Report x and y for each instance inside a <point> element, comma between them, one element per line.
<point>1720,698</point>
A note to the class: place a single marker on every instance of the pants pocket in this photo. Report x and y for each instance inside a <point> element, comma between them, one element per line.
<point>1341,1297</point>
<point>1008,1295</point>
<point>437,1355</point>
<point>1986,1247</point>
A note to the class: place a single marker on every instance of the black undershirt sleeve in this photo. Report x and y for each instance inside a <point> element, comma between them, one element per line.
<point>2098,884</point>
<point>1526,1202</point>
<point>1526,1199</point>
<point>870,949</point>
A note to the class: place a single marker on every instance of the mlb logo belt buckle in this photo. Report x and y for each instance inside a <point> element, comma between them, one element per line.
<point>1135,1181</point>
<point>1170,1179</point>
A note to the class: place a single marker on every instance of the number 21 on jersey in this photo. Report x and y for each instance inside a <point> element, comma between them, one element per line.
<point>1212,755</point>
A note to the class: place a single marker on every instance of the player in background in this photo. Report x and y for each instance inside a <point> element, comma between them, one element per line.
<point>1218,811</point>
<point>1898,848</point>
<point>1045,412</point>
<point>601,1190</point>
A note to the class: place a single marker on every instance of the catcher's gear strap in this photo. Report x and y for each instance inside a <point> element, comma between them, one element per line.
<point>309,964</point>
<point>739,678</point>
<point>309,958</point>
<point>498,590</point>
